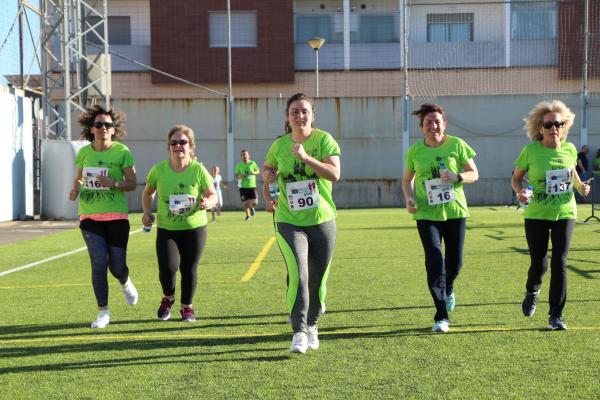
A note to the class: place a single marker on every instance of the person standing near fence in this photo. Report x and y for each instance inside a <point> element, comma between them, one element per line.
<point>104,170</point>
<point>185,191</point>
<point>437,167</point>
<point>582,168</point>
<point>305,161</point>
<point>245,172</point>
<point>215,172</point>
<point>549,162</point>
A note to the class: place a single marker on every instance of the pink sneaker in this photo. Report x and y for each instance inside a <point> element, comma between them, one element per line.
<point>164,311</point>
<point>187,315</point>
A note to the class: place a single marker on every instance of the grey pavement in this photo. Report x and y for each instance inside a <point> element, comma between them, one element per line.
<point>14,231</point>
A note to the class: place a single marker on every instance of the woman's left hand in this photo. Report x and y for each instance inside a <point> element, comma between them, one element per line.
<point>449,177</point>
<point>298,151</point>
<point>585,187</point>
<point>105,181</point>
<point>204,202</point>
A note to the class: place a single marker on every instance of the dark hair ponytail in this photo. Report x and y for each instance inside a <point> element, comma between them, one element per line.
<point>298,96</point>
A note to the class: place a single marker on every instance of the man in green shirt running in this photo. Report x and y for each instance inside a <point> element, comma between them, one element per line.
<point>245,172</point>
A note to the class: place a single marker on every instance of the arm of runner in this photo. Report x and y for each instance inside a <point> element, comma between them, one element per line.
<point>329,168</point>
<point>517,185</point>
<point>408,189</point>
<point>77,183</point>
<point>209,198</point>
<point>268,173</point>
<point>147,197</point>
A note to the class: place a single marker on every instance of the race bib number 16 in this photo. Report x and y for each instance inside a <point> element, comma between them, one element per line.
<point>302,195</point>
<point>439,192</point>
<point>90,178</point>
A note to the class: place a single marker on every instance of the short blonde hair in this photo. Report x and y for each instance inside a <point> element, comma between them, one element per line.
<point>188,132</point>
<point>535,118</point>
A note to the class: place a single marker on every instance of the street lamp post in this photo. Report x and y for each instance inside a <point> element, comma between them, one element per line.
<point>316,43</point>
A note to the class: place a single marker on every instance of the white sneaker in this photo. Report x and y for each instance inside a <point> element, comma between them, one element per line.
<point>299,343</point>
<point>102,320</point>
<point>441,326</point>
<point>313,337</point>
<point>129,292</point>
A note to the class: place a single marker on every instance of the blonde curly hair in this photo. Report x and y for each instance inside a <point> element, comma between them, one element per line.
<point>535,118</point>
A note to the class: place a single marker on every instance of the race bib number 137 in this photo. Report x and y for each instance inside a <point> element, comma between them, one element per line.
<point>559,181</point>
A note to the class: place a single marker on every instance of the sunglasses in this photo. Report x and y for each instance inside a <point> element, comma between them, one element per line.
<point>107,125</point>
<point>550,124</point>
<point>181,142</point>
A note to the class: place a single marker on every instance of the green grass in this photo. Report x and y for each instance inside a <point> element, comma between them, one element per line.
<point>375,337</point>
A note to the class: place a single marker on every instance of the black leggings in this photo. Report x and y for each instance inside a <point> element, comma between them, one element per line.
<point>107,246</point>
<point>442,268</point>
<point>560,232</point>
<point>179,250</point>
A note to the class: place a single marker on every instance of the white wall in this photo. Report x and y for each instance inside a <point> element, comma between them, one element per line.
<point>16,156</point>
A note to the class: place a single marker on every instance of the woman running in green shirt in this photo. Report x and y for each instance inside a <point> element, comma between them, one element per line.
<point>304,162</point>
<point>105,169</point>
<point>549,162</point>
<point>185,191</point>
<point>436,169</point>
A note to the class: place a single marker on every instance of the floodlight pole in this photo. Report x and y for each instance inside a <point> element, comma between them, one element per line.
<point>584,92</point>
<point>316,43</point>
<point>405,131</point>
<point>230,105</point>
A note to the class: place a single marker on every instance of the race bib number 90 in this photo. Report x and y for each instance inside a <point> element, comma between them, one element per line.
<point>439,192</point>
<point>90,178</point>
<point>559,181</point>
<point>181,203</point>
<point>302,195</point>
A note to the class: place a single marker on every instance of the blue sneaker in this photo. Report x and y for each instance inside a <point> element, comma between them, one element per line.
<point>450,302</point>
<point>530,303</point>
<point>441,326</point>
<point>557,324</point>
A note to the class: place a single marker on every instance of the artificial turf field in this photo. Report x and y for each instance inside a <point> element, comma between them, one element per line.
<point>375,337</point>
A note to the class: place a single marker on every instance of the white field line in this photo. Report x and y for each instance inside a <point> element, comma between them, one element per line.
<point>45,260</point>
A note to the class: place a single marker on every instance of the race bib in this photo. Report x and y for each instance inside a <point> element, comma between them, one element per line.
<point>559,181</point>
<point>90,178</point>
<point>181,203</point>
<point>439,192</point>
<point>302,195</point>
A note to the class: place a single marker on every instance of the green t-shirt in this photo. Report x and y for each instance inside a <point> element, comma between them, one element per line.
<point>179,194</point>
<point>93,199</point>
<point>249,181</point>
<point>537,159</point>
<point>309,207</point>
<point>596,164</point>
<point>425,161</point>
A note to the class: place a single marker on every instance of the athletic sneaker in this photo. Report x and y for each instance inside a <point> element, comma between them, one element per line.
<point>164,311</point>
<point>252,212</point>
<point>102,320</point>
<point>450,302</point>
<point>247,218</point>
<point>557,324</point>
<point>187,314</point>
<point>313,337</point>
<point>129,292</point>
<point>299,343</point>
<point>530,303</point>
<point>441,326</point>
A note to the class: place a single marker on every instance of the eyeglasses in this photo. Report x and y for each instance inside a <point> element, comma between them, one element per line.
<point>181,142</point>
<point>550,124</point>
<point>100,124</point>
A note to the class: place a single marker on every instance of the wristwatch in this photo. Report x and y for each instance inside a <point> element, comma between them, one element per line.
<point>459,177</point>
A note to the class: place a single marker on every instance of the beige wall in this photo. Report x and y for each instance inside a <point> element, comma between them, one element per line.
<point>425,83</point>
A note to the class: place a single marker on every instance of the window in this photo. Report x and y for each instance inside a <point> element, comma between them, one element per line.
<point>310,26</point>
<point>243,29</point>
<point>533,21</point>
<point>450,27</point>
<point>377,29</point>
<point>119,30</point>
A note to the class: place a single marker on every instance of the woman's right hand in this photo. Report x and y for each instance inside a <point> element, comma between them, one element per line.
<point>147,219</point>
<point>73,194</point>
<point>524,196</point>
<point>411,206</point>
<point>270,206</point>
